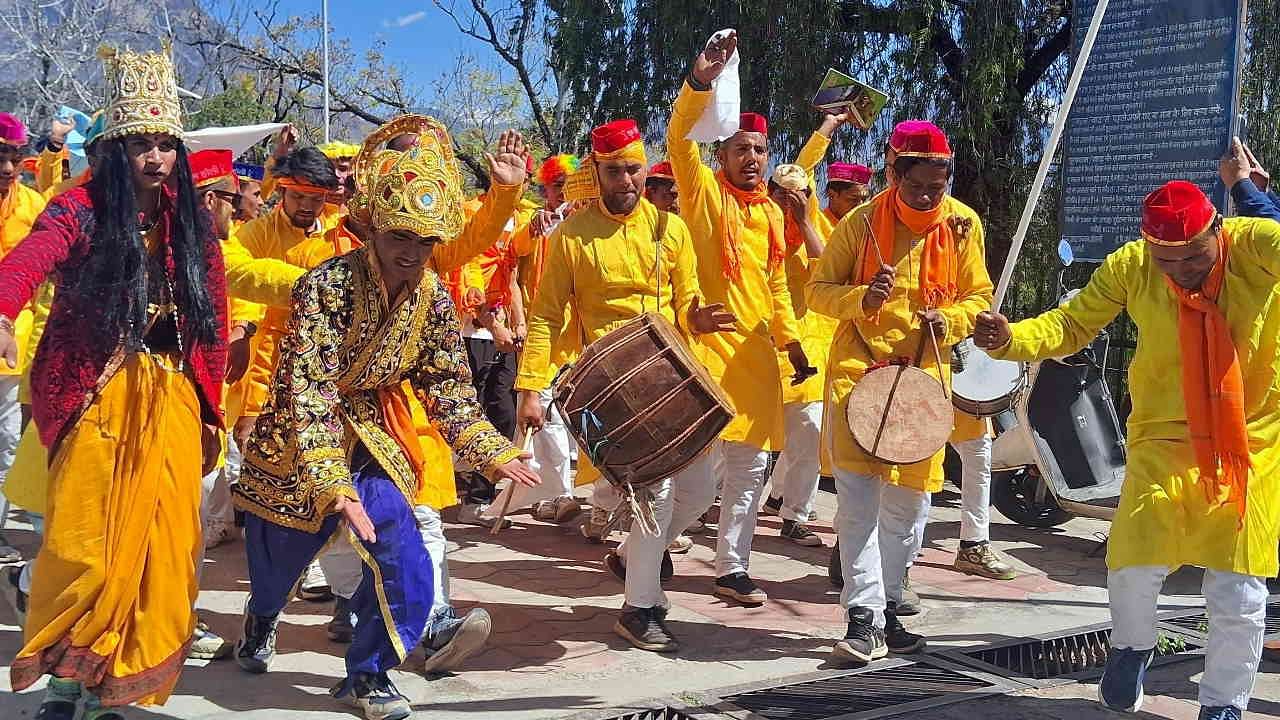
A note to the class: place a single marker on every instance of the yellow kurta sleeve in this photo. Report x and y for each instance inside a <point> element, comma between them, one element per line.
<point>266,281</point>
<point>481,231</point>
<point>974,289</point>
<point>813,152</point>
<point>829,291</point>
<point>695,180</point>
<point>1066,329</point>
<point>547,315</point>
<point>49,169</point>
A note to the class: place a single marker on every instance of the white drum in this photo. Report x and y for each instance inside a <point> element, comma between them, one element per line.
<point>981,385</point>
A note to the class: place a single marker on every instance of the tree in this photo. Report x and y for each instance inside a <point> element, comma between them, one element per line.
<point>477,104</point>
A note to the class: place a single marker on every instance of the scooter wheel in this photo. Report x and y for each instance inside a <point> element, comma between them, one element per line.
<point>1014,495</point>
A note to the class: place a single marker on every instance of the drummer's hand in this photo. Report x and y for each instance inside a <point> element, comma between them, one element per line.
<point>934,319</point>
<point>530,412</point>
<point>991,331</point>
<point>518,472</point>
<point>879,289</point>
<point>711,318</point>
<point>8,343</point>
<point>800,363</point>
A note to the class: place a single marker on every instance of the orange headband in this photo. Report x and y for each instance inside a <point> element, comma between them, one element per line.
<point>632,152</point>
<point>288,183</point>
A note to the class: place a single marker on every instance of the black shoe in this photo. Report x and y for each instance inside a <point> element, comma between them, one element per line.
<point>910,603</point>
<point>374,695</point>
<point>613,561</point>
<point>834,572</point>
<point>771,506</point>
<point>797,533</point>
<point>340,628</point>
<point>740,587</point>
<point>900,641</point>
<point>257,647</point>
<point>863,641</point>
<point>646,628</point>
<point>11,590</point>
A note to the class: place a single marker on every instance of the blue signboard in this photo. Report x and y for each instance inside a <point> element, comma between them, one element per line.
<point>1158,101</point>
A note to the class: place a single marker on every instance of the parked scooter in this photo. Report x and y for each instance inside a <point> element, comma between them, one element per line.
<point>1060,449</point>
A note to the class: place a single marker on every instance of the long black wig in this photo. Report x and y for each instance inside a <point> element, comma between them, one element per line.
<point>115,269</point>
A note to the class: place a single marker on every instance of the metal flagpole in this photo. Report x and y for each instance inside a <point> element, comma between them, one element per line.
<point>324,42</point>
<point>1060,122</point>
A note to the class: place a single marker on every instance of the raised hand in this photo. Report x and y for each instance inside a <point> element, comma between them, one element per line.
<point>832,121</point>
<point>59,128</point>
<point>880,288</point>
<point>709,63</point>
<point>1257,173</point>
<point>507,161</point>
<point>711,318</point>
<point>284,142</point>
<point>991,330</point>
<point>1235,165</point>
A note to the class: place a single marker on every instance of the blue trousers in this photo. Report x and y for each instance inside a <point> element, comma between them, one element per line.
<point>394,597</point>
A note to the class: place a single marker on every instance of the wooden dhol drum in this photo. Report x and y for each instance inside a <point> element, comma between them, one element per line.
<point>981,385</point>
<point>900,414</point>
<point>640,406</point>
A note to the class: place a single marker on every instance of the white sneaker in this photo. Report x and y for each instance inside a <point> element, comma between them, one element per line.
<point>216,535</point>
<point>315,587</point>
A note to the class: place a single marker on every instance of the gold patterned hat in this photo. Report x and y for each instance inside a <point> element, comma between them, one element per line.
<point>419,190</point>
<point>142,93</point>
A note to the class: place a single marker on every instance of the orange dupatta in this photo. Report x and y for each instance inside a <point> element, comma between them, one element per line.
<point>731,224</point>
<point>939,265</point>
<point>1213,387</point>
<point>399,419</point>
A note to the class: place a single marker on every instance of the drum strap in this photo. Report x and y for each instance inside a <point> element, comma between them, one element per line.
<point>659,232</point>
<point>927,337</point>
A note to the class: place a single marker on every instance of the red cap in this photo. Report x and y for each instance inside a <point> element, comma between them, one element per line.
<point>210,166</point>
<point>613,136</point>
<point>753,122</point>
<point>848,173</point>
<point>918,138</point>
<point>1176,213</point>
<point>662,170</point>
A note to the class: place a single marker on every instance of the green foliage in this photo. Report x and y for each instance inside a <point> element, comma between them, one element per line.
<point>237,105</point>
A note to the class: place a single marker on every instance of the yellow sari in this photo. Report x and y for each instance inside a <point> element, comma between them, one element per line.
<point>112,604</point>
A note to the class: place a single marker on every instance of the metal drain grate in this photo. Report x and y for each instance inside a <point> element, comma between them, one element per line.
<point>1196,623</point>
<point>1064,657</point>
<point>873,692</point>
<point>661,713</point>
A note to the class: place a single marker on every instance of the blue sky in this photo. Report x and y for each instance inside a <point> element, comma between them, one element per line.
<point>417,34</point>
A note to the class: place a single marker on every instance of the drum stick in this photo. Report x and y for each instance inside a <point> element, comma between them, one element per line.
<point>871,238</point>
<point>511,491</point>
<point>937,358</point>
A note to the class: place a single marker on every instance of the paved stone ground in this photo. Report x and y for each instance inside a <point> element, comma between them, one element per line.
<point>553,653</point>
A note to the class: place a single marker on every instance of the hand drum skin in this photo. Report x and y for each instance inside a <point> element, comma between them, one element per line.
<point>900,414</point>
<point>640,405</point>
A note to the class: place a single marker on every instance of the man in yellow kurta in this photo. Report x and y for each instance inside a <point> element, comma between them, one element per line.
<point>738,240</point>
<point>600,266</point>
<point>795,474</point>
<point>1204,433</point>
<point>933,280</point>
<point>19,208</point>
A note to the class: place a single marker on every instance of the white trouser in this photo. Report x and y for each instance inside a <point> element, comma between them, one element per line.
<point>678,502</point>
<point>344,569</point>
<point>742,476</point>
<point>881,528</point>
<point>604,495</point>
<point>1237,606</point>
<point>10,422</point>
<point>550,447</point>
<point>216,509</point>
<point>37,526</point>
<point>975,489</point>
<point>795,475</point>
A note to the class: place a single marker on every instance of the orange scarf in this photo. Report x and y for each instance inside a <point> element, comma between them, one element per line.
<point>1213,388</point>
<point>939,265</point>
<point>732,222</point>
<point>398,418</point>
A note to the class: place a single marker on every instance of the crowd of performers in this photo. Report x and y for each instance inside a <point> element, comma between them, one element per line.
<point>330,365</point>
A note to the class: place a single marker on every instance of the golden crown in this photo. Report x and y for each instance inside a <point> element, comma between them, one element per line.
<point>419,190</point>
<point>142,93</point>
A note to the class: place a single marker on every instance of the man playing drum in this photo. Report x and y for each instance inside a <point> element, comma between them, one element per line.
<point>601,263</point>
<point>1203,434</point>
<point>906,264</point>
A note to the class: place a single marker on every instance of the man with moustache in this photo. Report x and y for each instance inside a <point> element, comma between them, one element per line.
<point>601,263</point>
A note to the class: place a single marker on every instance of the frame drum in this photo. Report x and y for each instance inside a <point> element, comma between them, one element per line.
<point>984,387</point>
